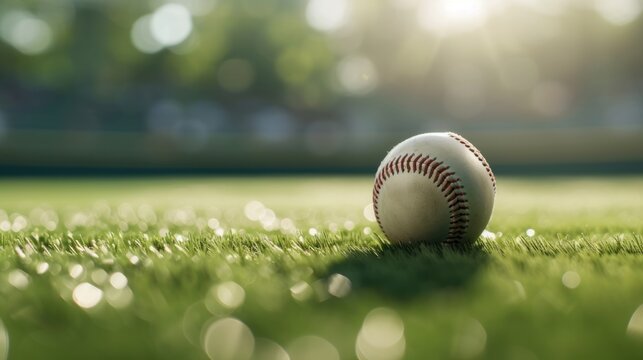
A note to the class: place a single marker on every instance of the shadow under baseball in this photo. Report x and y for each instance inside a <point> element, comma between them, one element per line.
<point>406,271</point>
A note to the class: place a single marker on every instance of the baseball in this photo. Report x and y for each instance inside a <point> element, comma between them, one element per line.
<point>433,187</point>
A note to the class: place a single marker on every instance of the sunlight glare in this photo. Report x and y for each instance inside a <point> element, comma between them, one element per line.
<point>452,16</point>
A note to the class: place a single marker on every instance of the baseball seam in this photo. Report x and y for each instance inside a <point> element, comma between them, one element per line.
<point>445,180</point>
<point>478,155</point>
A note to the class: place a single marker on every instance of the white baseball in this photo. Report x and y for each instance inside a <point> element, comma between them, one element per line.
<point>434,187</point>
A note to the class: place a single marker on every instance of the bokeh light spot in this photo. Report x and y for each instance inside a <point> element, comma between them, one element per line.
<point>269,350</point>
<point>171,24</point>
<point>118,280</point>
<point>357,75</point>
<point>27,33</point>
<point>18,279</point>
<point>228,339</point>
<point>339,285</point>
<point>571,279</point>
<point>4,342</point>
<point>301,291</point>
<point>327,15</point>
<point>369,213</point>
<point>230,294</point>
<point>470,341</point>
<point>635,326</point>
<point>87,295</point>
<point>142,38</point>
<point>381,336</point>
<point>312,347</point>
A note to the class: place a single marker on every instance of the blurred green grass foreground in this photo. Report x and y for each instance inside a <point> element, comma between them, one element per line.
<point>295,268</point>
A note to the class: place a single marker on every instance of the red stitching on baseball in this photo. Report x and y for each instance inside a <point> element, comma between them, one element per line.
<point>415,162</point>
<point>427,163</point>
<point>401,162</point>
<point>453,188</point>
<point>444,180</point>
<point>478,155</point>
<point>432,167</point>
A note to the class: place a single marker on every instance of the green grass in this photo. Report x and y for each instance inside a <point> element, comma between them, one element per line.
<point>187,249</point>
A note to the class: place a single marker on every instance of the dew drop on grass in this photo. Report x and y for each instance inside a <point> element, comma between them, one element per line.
<point>87,295</point>
<point>118,280</point>
<point>20,253</point>
<point>76,270</point>
<point>133,259</point>
<point>530,232</point>
<point>42,268</point>
<point>488,235</point>
<point>312,232</point>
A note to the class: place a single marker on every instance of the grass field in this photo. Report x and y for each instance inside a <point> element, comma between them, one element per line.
<point>279,268</point>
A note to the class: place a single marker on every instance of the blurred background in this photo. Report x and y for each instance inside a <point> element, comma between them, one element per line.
<point>540,86</point>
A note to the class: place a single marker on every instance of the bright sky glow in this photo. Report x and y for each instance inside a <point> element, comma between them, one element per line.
<point>452,16</point>
<point>327,15</point>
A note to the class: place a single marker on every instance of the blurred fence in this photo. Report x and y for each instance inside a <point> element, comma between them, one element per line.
<point>318,85</point>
